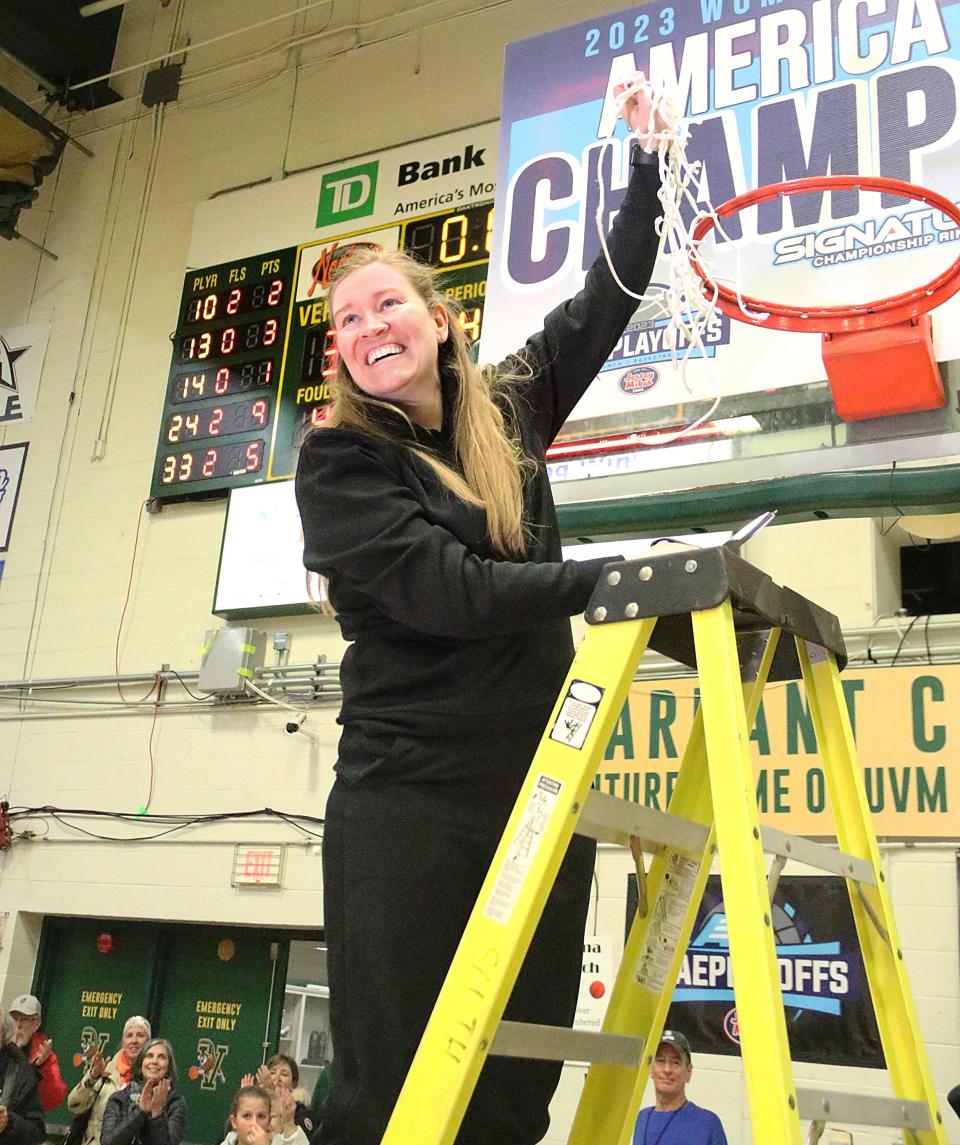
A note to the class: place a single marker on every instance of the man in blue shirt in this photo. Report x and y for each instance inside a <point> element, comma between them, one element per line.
<point>673,1120</point>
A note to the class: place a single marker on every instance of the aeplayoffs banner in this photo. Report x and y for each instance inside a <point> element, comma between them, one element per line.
<point>774,91</point>
<point>826,997</point>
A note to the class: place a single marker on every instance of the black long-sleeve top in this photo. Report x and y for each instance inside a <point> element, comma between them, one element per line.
<point>20,1095</point>
<point>125,1123</point>
<point>444,631</point>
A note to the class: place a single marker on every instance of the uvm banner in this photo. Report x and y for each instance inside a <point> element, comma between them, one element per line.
<point>906,723</point>
<point>826,998</point>
<point>773,90</point>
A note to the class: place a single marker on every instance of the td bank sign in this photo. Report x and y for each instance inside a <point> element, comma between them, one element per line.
<point>349,193</point>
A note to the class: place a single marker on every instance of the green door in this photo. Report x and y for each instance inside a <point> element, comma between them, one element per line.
<point>91,976</point>
<point>215,992</point>
<point>217,1009</point>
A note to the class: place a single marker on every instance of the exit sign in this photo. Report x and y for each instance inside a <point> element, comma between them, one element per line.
<point>258,866</point>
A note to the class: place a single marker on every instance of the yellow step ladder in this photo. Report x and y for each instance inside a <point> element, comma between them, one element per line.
<point>711,610</point>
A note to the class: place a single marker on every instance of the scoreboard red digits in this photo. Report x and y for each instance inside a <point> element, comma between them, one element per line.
<point>224,378</point>
<point>230,340</point>
<point>236,300</point>
<point>217,421</point>
<point>240,458</point>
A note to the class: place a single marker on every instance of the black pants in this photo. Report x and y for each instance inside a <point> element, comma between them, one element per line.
<point>403,864</point>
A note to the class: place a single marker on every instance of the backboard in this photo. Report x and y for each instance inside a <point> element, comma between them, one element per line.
<point>773,92</point>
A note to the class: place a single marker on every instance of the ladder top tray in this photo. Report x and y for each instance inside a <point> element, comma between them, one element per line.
<point>682,581</point>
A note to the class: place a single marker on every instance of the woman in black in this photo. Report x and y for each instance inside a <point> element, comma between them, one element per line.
<point>426,505</point>
<point>149,1111</point>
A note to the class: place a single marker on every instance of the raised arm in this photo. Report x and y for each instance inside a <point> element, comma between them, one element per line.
<point>53,1089</point>
<point>579,335</point>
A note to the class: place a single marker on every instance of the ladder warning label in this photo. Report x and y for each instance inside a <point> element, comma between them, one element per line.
<point>577,713</point>
<point>670,909</point>
<point>523,848</point>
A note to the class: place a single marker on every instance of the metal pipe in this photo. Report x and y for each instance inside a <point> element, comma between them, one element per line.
<point>54,840</point>
<point>318,673</point>
<point>307,675</point>
<point>115,713</point>
<point>80,147</point>
<point>36,246</point>
<point>92,681</point>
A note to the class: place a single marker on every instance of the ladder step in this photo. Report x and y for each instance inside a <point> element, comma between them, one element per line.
<point>818,855</point>
<point>613,820</point>
<point>558,1044</point>
<point>862,1109</point>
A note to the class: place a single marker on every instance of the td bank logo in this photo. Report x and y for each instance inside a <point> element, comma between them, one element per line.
<point>349,193</point>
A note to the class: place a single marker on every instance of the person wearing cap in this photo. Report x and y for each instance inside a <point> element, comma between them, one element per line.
<point>26,1014</point>
<point>103,1078</point>
<point>21,1118</point>
<point>672,1119</point>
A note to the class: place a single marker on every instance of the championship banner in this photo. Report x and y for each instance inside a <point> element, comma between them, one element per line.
<point>826,997</point>
<point>906,724</point>
<point>772,91</point>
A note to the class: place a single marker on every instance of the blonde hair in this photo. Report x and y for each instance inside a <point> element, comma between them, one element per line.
<point>490,455</point>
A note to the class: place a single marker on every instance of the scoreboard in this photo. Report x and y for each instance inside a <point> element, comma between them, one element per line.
<point>253,348</point>
<point>224,376</point>
<point>457,244</point>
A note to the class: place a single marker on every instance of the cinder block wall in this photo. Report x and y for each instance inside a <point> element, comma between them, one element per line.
<point>363,77</point>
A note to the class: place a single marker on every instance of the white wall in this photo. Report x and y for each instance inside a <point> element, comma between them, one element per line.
<point>364,76</point>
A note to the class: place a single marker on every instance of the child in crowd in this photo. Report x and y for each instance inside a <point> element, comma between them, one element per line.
<point>283,1123</point>
<point>258,1119</point>
<point>281,1073</point>
<point>249,1117</point>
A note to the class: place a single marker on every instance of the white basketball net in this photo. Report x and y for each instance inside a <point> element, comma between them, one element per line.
<point>689,310</point>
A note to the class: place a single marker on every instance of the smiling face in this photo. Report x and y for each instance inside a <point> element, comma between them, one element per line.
<point>155,1063</point>
<point>671,1071</point>
<point>388,338</point>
